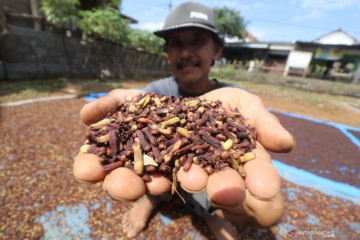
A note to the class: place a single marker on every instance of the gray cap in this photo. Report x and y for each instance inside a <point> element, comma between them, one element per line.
<point>189,14</point>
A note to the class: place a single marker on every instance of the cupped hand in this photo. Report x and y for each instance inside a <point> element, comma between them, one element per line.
<point>121,183</point>
<point>261,178</point>
<point>224,187</point>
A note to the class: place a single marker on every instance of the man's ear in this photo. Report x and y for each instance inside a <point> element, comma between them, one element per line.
<point>218,50</point>
<point>167,57</point>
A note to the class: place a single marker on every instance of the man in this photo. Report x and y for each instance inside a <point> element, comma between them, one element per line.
<point>192,45</point>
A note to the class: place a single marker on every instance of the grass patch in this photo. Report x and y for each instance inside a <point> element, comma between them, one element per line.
<point>283,91</point>
<point>39,88</point>
<point>313,90</point>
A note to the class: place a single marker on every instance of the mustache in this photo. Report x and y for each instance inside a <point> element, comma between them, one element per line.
<point>182,63</point>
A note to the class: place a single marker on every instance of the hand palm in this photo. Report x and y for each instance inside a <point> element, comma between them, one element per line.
<point>224,187</point>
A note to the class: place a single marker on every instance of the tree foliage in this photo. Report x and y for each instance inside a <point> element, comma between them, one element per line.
<point>100,23</point>
<point>104,24</point>
<point>60,11</point>
<point>230,22</point>
<point>146,40</point>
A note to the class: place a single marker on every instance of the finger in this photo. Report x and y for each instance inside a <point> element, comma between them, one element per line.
<point>261,177</point>
<point>87,168</point>
<point>124,184</point>
<point>226,187</point>
<point>194,180</point>
<point>265,213</point>
<point>272,134</point>
<point>158,184</point>
<point>95,111</point>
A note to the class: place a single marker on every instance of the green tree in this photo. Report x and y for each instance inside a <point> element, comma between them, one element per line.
<point>60,11</point>
<point>230,22</point>
<point>105,24</point>
<point>146,40</point>
<point>100,23</point>
<point>96,23</point>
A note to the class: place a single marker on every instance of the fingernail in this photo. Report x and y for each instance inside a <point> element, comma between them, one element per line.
<point>294,139</point>
<point>262,198</point>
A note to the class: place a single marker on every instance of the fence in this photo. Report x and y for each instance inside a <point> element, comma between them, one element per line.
<point>27,53</point>
<point>307,84</point>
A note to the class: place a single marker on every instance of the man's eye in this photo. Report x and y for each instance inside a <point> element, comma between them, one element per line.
<point>175,44</point>
<point>198,41</point>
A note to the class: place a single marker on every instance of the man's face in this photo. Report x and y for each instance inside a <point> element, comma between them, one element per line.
<point>190,52</point>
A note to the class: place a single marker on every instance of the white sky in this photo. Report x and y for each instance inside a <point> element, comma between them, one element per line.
<point>269,20</point>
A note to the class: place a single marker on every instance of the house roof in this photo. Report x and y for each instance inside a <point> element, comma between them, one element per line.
<point>132,20</point>
<point>286,46</point>
<point>337,37</point>
<point>314,44</point>
<point>250,37</point>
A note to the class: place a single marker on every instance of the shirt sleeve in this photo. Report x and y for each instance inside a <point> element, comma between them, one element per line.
<point>224,84</point>
<point>166,86</point>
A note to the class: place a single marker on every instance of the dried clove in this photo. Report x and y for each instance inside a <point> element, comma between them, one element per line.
<point>174,133</point>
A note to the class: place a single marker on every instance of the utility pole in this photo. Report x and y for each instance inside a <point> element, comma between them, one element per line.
<point>35,13</point>
<point>170,5</point>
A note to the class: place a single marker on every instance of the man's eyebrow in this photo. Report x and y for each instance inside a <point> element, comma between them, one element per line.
<point>173,37</point>
<point>200,33</point>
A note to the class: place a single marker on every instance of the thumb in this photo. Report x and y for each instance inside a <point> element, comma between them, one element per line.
<point>95,111</point>
<point>272,135</point>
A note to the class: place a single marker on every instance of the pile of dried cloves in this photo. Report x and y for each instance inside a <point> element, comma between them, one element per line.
<point>163,133</point>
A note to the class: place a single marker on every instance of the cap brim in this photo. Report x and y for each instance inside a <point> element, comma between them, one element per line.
<point>165,32</point>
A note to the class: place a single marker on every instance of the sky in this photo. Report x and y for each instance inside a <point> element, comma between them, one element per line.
<point>267,20</point>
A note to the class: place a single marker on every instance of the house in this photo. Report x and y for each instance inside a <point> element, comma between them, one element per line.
<point>252,54</point>
<point>269,56</point>
<point>334,56</point>
<point>337,37</point>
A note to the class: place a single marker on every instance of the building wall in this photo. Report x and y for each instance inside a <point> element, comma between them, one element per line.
<point>333,67</point>
<point>18,6</point>
<point>27,53</point>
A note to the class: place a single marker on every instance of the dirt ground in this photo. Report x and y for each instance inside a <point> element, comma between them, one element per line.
<point>334,111</point>
<point>41,200</point>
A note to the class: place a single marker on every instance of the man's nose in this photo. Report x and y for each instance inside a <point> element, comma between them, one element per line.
<point>186,49</point>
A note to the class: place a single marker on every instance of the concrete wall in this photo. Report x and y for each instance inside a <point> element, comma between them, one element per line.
<point>26,53</point>
<point>20,6</point>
